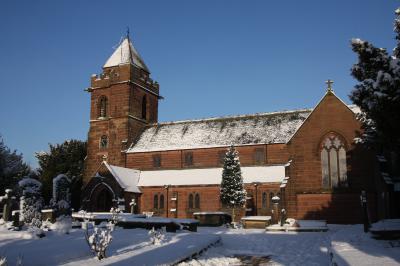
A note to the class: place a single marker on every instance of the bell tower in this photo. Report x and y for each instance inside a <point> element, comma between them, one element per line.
<point>123,100</point>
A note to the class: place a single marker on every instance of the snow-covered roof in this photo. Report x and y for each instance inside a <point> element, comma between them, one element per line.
<point>209,176</point>
<point>126,54</point>
<point>126,178</point>
<point>262,128</point>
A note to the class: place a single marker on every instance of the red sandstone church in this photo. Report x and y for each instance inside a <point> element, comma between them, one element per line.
<point>308,157</point>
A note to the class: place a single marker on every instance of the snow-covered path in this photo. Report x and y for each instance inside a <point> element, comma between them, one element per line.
<point>350,246</point>
<point>347,244</point>
<point>286,248</point>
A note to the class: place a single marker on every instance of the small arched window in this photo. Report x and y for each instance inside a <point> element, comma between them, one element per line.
<point>271,195</point>
<point>161,201</point>
<point>333,162</point>
<point>264,200</point>
<point>144,107</point>
<point>103,106</point>
<point>155,202</point>
<point>197,201</point>
<point>190,201</point>
<point>104,142</point>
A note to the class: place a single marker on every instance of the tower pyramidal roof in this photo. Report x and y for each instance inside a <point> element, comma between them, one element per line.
<point>126,54</point>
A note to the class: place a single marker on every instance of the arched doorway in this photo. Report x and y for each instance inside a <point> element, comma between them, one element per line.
<point>102,198</point>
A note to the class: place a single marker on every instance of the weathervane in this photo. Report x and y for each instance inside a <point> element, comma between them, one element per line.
<point>127,32</point>
<point>329,83</point>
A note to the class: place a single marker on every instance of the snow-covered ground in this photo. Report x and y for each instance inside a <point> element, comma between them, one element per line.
<point>343,245</point>
<point>128,247</point>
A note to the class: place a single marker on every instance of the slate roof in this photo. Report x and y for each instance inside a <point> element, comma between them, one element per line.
<point>262,128</point>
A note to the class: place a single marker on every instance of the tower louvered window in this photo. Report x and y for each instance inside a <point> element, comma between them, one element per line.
<point>103,106</point>
<point>104,142</point>
<point>333,162</point>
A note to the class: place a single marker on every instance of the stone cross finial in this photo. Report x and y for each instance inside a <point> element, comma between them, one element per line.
<point>329,83</point>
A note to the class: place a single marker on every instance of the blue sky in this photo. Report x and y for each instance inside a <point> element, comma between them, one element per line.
<point>211,58</point>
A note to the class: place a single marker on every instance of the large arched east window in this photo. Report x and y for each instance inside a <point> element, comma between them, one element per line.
<point>102,112</point>
<point>333,162</point>
<point>144,107</point>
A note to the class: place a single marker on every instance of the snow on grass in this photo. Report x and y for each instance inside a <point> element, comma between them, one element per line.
<point>283,248</point>
<point>348,244</point>
<point>129,247</point>
<point>351,246</point>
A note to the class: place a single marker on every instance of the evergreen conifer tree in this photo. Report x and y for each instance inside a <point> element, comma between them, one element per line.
<point>65,158</point>
<point>12,167</point>
<point>378,92</point>
<point>232,192</point>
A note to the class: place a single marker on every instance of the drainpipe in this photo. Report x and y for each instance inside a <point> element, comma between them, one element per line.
<point>167,188</point>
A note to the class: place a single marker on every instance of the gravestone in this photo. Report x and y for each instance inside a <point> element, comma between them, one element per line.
<point>10,204</point>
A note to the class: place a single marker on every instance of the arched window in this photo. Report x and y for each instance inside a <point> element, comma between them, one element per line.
<point>264,200</point>
<point>144,107</point>
<point>103,106</point>
<point>103,142</point>
<point>333,162</point>
<point>161,201</point>
<point>190,201</point>
<point>271,195</point>
<point>197,201</point>
<point>155,203</point>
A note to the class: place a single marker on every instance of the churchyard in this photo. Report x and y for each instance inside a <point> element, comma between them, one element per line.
<point>341,244</point>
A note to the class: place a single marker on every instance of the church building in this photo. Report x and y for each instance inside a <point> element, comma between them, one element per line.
<point>306,157</point>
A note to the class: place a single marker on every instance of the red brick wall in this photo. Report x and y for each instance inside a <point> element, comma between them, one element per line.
<point>209,199</point>
<point>124,91</point>
<point>305,171</point>
<point>209,157</point>
<point>335,208</point>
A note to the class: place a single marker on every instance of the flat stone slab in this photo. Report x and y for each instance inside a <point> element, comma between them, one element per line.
<point>303,226</point>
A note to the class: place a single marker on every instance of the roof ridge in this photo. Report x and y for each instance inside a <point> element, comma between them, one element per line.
<point>216,118</point>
